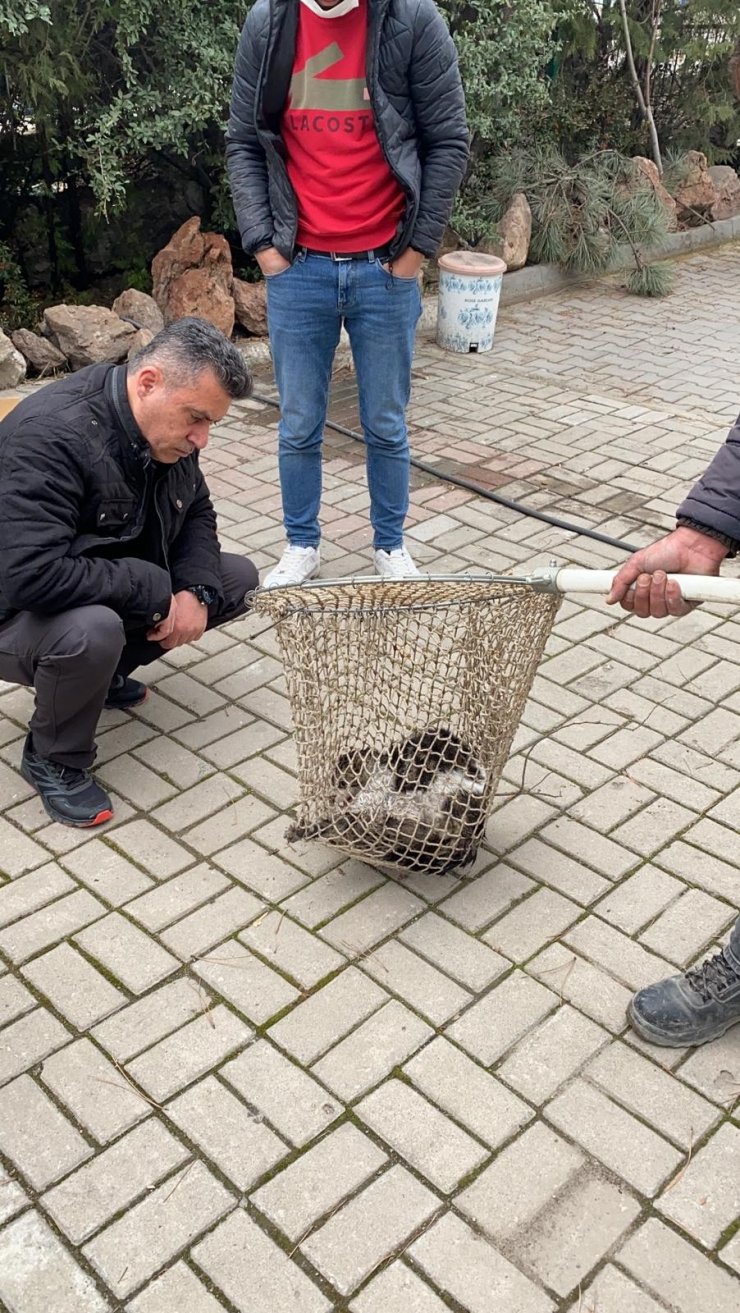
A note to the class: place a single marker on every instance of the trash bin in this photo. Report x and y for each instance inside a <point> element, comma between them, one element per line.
<point>469,291</point>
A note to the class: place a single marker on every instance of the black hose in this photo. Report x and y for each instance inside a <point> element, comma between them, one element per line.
<point>496,497</point>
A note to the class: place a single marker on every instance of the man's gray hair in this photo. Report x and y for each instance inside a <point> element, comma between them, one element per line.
<point>190,345</point>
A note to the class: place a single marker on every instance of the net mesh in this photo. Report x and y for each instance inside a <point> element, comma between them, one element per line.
<point>405,697</point>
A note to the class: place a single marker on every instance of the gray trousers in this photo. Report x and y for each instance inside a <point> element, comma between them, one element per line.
<point>71,658</point>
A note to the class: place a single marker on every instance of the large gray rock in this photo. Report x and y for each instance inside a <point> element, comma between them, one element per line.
<point>647,170</point>
<point>141,338</point>
<point>250,305</point>
<point>12,363</point>
<point>88,334</point>
<point>40,353</point>
<point>139,309</point>
<point>727,187</point>
<point>515,229</point>
<point>696,194</point>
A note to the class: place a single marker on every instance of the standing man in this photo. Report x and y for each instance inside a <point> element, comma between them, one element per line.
<point>703,1002</point>
<point>346,145</point>
<point>108,548</point>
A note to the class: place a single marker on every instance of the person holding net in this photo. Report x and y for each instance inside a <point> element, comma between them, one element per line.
<point>703,1002</point>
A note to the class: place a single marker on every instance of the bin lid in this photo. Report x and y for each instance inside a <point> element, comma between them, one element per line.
<point>472,262</point>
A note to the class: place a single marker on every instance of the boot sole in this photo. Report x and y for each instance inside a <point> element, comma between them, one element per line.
<point>105,815</point>
<point>654,1036</point>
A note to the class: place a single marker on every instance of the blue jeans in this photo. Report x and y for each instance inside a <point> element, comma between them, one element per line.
<point>306,306</point>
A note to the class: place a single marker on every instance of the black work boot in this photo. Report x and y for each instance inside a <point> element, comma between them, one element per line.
<point>690,1009</point>
<point>69,795</point>
<point>125,693</point>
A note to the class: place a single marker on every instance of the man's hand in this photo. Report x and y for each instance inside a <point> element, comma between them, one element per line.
<point>407,264</point>
<point>271,261</point>
<point>641,585</point>
<point>184,623</point>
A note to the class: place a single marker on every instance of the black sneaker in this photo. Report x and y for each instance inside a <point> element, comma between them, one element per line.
<point>69,795</point>
<point>690,1009</point>
<point>125,693</point>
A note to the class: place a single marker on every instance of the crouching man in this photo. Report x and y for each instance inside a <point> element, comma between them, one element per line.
<point>108,547</point>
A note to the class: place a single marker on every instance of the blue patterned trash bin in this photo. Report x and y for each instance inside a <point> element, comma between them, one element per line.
<point>469,291</point>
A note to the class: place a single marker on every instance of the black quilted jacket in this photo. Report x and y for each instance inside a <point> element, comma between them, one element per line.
<point>416,95</point>
<point>82,502</point>
<point>715,500</point>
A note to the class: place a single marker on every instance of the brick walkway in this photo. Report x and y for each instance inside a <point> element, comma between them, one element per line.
<point>237,1075</point>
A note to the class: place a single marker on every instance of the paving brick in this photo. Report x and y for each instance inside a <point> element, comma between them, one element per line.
<point>617,954</point>
<point>324,897</point>
<point>227,1132</point>
<point>639,899</point>
<point>613,1292</point>
<point>291,949</point>
<point>731,1253</point>
<point>494,1024</point>
<point>317,1182</point>
<point>551,1053</point>
<point>23,896</point>
<point>177,1289</point>
<point>705,1201</point>
<point>199,931</point>
<point>134,781</point>
<point>239,818</point>
<point>288,1097</point>
<point>613,803</point>
<point>181,767</point>
<point>15,999</point>
<point>36,1137</point>
<point>473,1272</point>
<point>324,1018</point>
<point>425,1137</point>
<point>13,1198</point>
<point>254,1274</point>
<point>561,872</point>
<point>421,985</point>
<point>657,1098</point>
<point>622,1143</point>
<point>50,924</point>
<point>712,1070</point>
<point>452,950</point>
<point>482,899</point>
<point>583,843</point>
<point>177,897</point>
<point>371,1227</point>
<point>158,1228</point>
<point>19,852</point>
<point>468,1093</point>
<point>532,924</point>
<point>188,1053</point>
<point>520,1183</point>
<point>143,1023</point>
<point>397,1290</point>
<point>27,1040</point>
<point>376,917</point>
<point>265,873</point>
<point>73,986</point>
<point>130,955</point>
<point>149,846</point>
<point>38,1274</point>
<point>253,988</point>
<point>688,926</point>
<point>676,1272</point>
<point>93,1194</point>
<point>592,1212</point>
<point>195,804</point>
<point>96,1093</point>
<point>372,1051</point>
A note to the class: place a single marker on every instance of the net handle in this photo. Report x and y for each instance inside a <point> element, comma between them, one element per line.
<point>694,587</point>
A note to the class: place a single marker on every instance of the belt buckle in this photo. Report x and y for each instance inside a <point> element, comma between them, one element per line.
<point>340,259</point>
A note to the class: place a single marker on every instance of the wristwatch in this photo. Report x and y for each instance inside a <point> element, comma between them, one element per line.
<point>205,595</point>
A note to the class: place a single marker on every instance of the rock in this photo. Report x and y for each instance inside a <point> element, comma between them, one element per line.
<point>40,353</point>
<point>12,364</point>
<point>139,309</point>
<point>727,186</point>
<point>193,275</point>
<point>250,305</point>
<point>515,230</point>
<point>87,334</point>
<point>696,195</point>
<point>649,170</point>
<point>142,337</point>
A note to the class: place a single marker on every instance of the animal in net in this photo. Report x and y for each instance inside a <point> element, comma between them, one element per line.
<point>420,805</point>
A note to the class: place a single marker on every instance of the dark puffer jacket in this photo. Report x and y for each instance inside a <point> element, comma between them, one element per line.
<point>715,500</point>
<point>80,497</point>
<point>415,91</point>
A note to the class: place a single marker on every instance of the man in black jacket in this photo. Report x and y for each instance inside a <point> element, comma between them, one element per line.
<point>346,145</point>
<point>703,1002</point>
<point>108,548</point>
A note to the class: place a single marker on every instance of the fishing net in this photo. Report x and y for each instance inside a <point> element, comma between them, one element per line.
<point>406,695</point>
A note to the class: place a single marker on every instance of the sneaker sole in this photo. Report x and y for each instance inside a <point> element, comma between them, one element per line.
<point>105,815</point>
<point>654,1036</point>
<point>125,706</point>
<point>305,580</point>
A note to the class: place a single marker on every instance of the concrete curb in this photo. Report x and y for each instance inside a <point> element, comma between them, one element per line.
<point>545,279</point>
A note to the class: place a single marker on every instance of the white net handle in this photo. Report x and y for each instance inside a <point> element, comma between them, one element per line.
<point>694,587</point>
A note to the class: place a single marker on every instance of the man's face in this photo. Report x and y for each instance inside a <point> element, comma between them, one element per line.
<point>176,421</point>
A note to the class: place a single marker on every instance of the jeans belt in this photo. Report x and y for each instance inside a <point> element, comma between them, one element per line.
<point>377,253</point>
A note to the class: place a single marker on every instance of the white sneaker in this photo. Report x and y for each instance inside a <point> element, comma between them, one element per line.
<point>398,564</point>
<point>296,565</point>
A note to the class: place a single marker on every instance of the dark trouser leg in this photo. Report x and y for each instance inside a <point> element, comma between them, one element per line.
<point>69,659</point>
<point>238,576</point>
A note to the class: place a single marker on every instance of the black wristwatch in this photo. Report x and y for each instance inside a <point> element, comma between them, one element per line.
<point>207,596</point>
